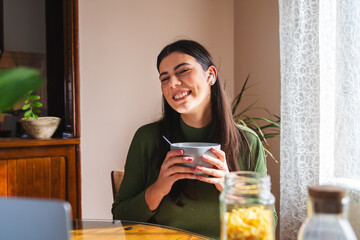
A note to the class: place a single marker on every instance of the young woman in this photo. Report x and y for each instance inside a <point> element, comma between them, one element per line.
<point>155,188</point>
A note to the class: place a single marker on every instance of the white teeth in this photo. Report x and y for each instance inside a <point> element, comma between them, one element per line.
<point>181,95</point>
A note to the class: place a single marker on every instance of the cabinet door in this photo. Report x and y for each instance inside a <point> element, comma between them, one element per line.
<point>34,177</point>
<point>41,169</point>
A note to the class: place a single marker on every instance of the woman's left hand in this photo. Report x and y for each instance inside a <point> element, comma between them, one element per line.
<point>217,174</point>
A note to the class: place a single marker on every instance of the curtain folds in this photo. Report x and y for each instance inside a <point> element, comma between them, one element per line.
<point>320,103</point>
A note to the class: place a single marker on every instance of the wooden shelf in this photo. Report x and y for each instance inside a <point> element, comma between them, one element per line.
<point>27,142</point>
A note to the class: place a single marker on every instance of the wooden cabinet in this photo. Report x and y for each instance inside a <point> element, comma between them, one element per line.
<point>51,168</point>
<point>41,169</point>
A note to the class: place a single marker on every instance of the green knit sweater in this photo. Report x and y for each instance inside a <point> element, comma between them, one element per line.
<point>199,216</point>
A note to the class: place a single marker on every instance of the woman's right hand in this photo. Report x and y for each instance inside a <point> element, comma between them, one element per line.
<point>170,172</point>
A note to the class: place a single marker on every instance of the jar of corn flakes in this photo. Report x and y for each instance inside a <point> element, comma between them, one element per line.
<point>247,207</point>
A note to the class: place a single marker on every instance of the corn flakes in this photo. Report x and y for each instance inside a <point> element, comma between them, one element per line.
<point>254,223</point>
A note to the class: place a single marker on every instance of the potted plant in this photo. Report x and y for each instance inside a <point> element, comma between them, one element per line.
<point>15,83</point>
<point>264,127</point>
<point>35,126</point>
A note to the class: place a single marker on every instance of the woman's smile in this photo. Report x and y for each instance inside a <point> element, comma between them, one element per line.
<point>181,95</point>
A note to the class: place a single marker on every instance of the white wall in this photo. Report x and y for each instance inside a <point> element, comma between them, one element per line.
<point>119,86</point>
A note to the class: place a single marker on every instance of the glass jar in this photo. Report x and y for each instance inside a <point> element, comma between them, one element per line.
<point>246,207</point>
<point>327,215</point>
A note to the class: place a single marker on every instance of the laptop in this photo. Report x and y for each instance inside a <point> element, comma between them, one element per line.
<point>34,219</point>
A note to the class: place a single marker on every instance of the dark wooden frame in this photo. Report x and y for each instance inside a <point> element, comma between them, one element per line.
<point>64,91</point>
<point>63,65</point>
<point>62,50</point>
<point>72,81</point>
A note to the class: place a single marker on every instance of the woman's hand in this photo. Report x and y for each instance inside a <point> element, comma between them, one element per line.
<point>217,174</point>
<point>170,172</point>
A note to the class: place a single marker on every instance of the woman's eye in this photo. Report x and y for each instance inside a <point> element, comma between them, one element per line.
<point>183,71</point>
<point>164,79</point>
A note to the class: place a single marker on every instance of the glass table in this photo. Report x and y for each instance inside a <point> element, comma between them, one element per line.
<point>109,229</point>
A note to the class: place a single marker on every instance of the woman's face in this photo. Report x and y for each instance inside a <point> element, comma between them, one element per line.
<point>184,83</point>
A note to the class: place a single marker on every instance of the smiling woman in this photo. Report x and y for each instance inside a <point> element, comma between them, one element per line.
<point>186,88</point>
<point>156,187</point>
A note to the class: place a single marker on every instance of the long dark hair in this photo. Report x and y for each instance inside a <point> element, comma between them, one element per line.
<point>223,129</point>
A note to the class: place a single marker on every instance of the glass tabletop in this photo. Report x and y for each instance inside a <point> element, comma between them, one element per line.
<point>116,229</point>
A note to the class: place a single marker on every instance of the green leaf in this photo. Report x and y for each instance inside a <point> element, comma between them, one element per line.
<point>34,97</point>
<point>275,123</point>
<point>271,135</point>
<point>36,104</point>
<point>246,109</point>
<point>27,117</point>
<point>28,113</point>
<point>25,107</point>
<point>15,83</point>
<point>242,122</point>
<point>272,156</point>
<point>35,116</point>
<point>237,99</point>
<point>36,110</point>
<point>269,126</point>
<point>257,126</point>
<point>26,101</point>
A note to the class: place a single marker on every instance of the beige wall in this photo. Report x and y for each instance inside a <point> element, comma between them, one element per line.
<point>257,52</point>
<point>120,90</point>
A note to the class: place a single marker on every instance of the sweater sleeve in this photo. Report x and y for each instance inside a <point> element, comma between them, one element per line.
<point>258,154</point>
<point>130,201</point>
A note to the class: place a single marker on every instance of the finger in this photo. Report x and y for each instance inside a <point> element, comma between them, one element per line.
<point>180,176</point>
<point>211,171</point>
<point>177,169</point>
<point>220,164</point>
<point>211,180</point>
<point>219,153</point>
<point>173,153</point>
<point>181,159</point>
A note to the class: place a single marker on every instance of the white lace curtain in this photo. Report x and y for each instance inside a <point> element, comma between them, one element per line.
<point>320,104</point>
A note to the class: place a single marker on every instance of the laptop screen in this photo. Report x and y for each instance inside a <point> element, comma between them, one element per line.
<point>25,218</point>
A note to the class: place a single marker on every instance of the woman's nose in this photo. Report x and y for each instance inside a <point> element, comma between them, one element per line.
<point>174,82</point>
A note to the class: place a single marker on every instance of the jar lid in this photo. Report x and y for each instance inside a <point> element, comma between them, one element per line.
<point>327,191</point>
<point>327,199</point>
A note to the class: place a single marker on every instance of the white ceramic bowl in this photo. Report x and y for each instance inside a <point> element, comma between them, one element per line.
<point>42,128</point>
<point>196,150</point>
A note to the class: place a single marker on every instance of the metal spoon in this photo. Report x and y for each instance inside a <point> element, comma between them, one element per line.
<point>166,139</point>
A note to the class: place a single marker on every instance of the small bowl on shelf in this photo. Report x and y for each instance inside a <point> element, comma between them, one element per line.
<point>41,128</point>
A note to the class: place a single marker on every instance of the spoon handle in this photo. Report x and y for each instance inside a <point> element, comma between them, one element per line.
<point>166,140</point>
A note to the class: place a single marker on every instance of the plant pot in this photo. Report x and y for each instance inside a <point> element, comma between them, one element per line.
<point>42,128</point>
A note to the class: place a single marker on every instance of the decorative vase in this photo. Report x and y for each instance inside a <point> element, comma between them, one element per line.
<point>41,128</point>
